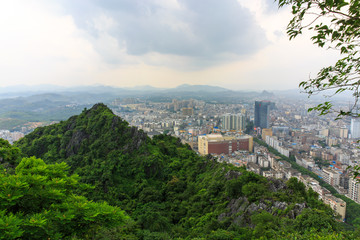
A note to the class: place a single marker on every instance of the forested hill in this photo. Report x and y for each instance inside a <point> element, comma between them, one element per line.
<point>165,188</point>
<point>97,145</point>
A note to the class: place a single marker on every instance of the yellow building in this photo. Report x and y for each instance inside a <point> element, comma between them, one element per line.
<point>266,132</point>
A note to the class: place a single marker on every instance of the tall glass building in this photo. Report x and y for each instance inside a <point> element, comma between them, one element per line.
<point>262,110</point>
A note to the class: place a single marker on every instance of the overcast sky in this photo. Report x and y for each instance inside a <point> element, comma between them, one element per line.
<point>237,44</point>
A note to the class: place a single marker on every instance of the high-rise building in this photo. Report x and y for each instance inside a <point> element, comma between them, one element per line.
<point>233,122</point>
<point>354,192</point>
<point>343,132</point>
<point>262,110</point>
<point>355,128</point>
<point>331,177</point>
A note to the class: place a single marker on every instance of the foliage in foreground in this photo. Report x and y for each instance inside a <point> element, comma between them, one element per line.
<point>335,24</point>
<point>39,201</point>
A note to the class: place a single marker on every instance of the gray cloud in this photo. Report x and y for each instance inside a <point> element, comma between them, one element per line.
<point>199,29</point>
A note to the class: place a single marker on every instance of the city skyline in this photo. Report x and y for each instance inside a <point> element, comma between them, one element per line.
<point>241,45</point>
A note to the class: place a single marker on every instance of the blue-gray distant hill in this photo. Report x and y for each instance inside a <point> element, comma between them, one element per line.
<point>21,104</point>
<point>197,88</point>
<point>99,93</point>
<point>25,91</point>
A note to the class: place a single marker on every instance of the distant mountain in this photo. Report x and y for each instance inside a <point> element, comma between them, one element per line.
<point>43,102</point>
<point>31,88</point>
<point>148,88</point>
<point>267,94</point>
<point>145,88</point>
<point>24,90</point>
<point>197,88</point>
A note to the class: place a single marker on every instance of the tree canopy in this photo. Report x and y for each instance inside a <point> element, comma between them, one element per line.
<point>39,201</point>
<point>335,24</point>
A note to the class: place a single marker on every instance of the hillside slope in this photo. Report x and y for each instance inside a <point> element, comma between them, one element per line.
<point>169,190</point>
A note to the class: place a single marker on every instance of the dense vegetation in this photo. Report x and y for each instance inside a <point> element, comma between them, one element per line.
<point>39,201</point>
<point>166,189</point>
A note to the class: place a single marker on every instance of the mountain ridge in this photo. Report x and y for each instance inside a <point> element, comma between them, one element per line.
<point>101,88</point>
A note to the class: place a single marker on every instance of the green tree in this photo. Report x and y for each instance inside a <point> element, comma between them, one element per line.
<point>39,201</point>
<point>336,25</point>
<point>266,224</point>
<point>9,155</point>
<point>296,186</point>
<point>233,188</point>
<point>314,219</point>
<point>254,191</point>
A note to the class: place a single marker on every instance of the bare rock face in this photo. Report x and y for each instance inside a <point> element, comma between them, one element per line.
<point>279,205</point>
<point>235,206</point>
<point>256,207</point>
<point>276,185</point>
<point>139,137</point>
<point>75,143</point>
<point>298,208</point>
<point>240,210</point>
<point>232,174</point>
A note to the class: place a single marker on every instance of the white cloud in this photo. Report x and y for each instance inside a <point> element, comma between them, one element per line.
<point>38,46</point>
<point>196,29</point>
<point>163,43</point>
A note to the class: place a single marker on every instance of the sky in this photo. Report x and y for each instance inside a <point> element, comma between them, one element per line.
<point>237,44</point>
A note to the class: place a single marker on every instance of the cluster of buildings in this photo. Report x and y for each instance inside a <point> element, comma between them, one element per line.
<point>326,147</point>
<point>186,119</point>
<point>330,163</point>
<point>11,136</point>
<point>267,164</point>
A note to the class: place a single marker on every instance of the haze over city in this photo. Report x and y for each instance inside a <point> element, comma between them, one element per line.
<point>241,45</point>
